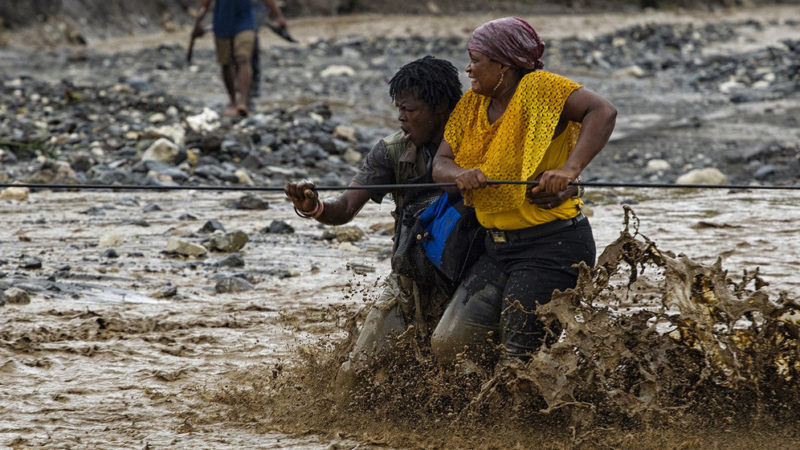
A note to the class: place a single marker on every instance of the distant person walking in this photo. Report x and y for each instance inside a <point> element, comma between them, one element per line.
<point>235,34</point>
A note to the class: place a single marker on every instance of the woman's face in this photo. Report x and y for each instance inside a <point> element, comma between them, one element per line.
<point>483,72</point>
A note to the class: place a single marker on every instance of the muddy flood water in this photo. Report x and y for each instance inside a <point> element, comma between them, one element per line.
<point>684,336</point>
<point>105,359</point>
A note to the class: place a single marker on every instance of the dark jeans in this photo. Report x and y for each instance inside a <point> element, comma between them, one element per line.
<point>484,309</point>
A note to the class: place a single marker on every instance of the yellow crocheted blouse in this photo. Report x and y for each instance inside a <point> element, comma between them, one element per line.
<point>515,146</point>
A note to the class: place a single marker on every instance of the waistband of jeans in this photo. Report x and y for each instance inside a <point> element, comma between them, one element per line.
<point>500,236</point>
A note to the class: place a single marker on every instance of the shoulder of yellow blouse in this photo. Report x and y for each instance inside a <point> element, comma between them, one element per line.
<point>543,77</point>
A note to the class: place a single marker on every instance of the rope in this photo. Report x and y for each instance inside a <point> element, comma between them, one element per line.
<point>386,187</point>
<point>134,187</point>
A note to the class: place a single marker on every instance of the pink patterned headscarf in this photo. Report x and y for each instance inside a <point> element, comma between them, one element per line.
<point>510,41</point>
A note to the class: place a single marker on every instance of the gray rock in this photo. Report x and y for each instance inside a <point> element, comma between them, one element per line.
<point>312,151</point>
<point>30,262</point>
<point>765,172</point>
<point>232,260</point>
<point>216,172</point>
<point>81,162</point>
<point>249,202</point>
<point>94,211</point>
<point>17,296</point>
<point>236,147</point>
<point>278,227</point>
<point>232,285</point>
<point>229,242</point>
<point>211,226</point>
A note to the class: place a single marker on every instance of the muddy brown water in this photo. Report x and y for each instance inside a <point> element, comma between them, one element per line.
<point>105,369</point>
<point>105,362</point>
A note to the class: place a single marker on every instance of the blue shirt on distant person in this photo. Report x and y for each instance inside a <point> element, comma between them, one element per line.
<point>231,17</point>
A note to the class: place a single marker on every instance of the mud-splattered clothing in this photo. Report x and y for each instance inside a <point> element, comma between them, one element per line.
<point>403,301</point>
<point>524,269</point>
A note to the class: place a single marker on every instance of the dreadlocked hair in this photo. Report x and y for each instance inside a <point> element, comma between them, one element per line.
<point>432,79</point>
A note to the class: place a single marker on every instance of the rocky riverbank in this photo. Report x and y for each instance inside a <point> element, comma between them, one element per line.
<point>690,97</point>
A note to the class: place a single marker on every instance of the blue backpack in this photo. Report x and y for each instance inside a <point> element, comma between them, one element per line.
<point>452,237</point>
<point>437,234</point>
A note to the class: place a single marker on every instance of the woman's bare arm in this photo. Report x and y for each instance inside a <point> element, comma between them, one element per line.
<point>597,117</point>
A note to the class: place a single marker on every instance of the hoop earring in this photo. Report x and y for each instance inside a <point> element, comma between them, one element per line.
<point>499,82</point>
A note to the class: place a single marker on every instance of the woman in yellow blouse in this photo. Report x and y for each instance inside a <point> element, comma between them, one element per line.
<point>518,122</point>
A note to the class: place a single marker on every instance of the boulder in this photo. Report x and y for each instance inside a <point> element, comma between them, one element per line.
<point>703,176</point>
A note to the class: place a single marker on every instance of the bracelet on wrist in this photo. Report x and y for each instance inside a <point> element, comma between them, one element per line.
<point>313,214</point>
<point>320,208</point>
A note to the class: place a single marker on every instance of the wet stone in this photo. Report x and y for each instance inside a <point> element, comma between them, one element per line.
<point>30,262</point>
<point>211,226</point>
<point>128,202</point>
<point>17,296</point>
<point>229,242</point>
<point>152,207</point>
<point>232,260</point>
<point>187,217</point>
<point>249,202</point>
<point>233,284</point>
<point>81,162</point>
<point>350,233</point>
<point>278,227</point>
<point>166,291</point>
<point>765,171</point>
<point>110,253</point>
<point>94,211</point>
